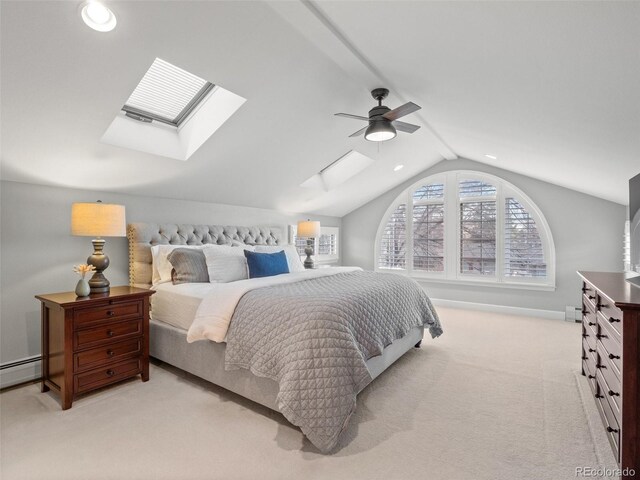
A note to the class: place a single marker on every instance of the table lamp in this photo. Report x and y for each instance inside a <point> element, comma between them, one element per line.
<point>309,230</point>
<point>98,220</point>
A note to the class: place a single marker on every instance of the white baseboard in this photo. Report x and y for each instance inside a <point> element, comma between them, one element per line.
<point>20,373</point>
<point>485,307</point>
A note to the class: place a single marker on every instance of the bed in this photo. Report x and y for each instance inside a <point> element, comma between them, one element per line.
<point>174,308</point>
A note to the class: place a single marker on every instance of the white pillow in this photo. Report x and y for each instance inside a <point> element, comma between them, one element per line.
<point>161,265</point>
<point>293,259</point>
<point>226,263</point>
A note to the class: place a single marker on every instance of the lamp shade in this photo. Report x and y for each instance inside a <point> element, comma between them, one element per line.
<point>98,220</point>
<point>309,229</point>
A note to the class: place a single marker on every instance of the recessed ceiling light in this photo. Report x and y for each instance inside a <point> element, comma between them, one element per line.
<point>98,16</point>
<point>492,157</point>
<point>397,168</point>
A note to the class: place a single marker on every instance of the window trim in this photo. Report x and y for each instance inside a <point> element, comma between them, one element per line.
<point>451,200</point>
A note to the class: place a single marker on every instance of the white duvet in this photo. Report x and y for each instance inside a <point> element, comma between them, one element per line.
<point>214,314</point>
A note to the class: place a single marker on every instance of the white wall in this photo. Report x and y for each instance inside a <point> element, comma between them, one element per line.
<point>587,231</point>
<point>37,251</point>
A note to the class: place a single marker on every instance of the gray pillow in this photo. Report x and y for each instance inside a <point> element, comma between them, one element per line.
<point>189,266</point>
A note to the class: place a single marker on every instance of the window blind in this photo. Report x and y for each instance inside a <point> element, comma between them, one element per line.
<point>167,93</point>
<point>393,241</point>
<point>523,250</point>
<point>478,238</point>
<point>428,237</point>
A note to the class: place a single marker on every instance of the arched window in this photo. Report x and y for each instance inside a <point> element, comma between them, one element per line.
<point>467,227</point>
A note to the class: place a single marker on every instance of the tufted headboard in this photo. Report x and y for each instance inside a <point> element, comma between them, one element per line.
<point>142,236</point>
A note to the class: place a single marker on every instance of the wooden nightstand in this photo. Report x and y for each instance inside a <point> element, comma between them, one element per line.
<point>90,342</point>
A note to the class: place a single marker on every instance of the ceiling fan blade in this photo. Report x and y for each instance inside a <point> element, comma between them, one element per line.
<point>359,132</point>
<point>348,115</point>
<point>405,127</point>
<point>401,111</point>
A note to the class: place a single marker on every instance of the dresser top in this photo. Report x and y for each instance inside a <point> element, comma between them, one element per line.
<point>614,286</point>
<point>70,298</point>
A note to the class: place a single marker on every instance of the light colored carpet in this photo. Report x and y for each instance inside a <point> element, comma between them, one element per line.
<point>496,397</point>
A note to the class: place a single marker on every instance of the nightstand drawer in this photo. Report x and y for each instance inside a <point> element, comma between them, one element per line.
<point>110,353</point>
<point>109,333</point>
<point>85,317</point>
<point>106,375</point>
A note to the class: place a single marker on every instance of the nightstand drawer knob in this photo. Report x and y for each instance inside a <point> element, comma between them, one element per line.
<point>111,373</point>
<point>611,430</point>
<point>110,333</point>
<point>111,353</point>
<point>110,313</point>
<point>612,356</point>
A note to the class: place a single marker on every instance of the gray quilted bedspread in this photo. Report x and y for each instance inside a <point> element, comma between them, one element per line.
<point>313,338</point>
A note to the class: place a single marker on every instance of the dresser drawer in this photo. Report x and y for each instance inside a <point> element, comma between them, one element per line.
<point>590,353</point>
<point>106,334</point>
<point>589,319</point>
<point>110,353</point>
<point>609,381</point>
<point>613,317</point>
<point>100,377</point>
<point>588,336</point>
<point>87,317</point>
<point>590,372</point>
<point>609,419</point>
<point>613,348</point>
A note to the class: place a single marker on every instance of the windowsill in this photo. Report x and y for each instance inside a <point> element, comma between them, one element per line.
<point>474,283</point>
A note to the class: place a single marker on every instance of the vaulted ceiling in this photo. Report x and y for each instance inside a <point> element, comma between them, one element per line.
<point>549,88</point>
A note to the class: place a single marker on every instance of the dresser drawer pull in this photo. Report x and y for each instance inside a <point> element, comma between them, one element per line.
<point>612,430</point>
<point>601,335</point>
<point>111,353</point>
<point>110,333</point>
<point>598,396</point>
<point>585,358</point>
<point>585,335</point>
<point>591,324</point>
<point>592,297</point>
<point>602,305</point>
<point>592,350</point>
<point>110,313</point>
<point>613,394</point>
<point>613,320</point>
<point>591,376</point>
<point>612,356</point>
<point>601,366</point>
<point>111,373</point>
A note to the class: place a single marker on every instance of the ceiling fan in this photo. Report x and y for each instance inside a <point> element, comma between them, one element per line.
<point>383,122</point>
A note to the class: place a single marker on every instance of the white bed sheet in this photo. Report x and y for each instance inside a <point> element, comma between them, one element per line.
<point>177,304</point>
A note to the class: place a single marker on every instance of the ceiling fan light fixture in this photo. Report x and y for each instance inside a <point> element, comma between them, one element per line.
<point>97,16</point>
<point>380,131</point>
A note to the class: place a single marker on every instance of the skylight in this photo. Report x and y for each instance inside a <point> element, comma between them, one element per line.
<point>339,171</point>
<point>166,94</point>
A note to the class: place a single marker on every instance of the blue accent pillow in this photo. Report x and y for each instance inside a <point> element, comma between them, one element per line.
<point>266,264</point>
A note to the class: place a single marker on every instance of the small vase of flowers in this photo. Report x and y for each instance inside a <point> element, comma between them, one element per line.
<point>82,288</point>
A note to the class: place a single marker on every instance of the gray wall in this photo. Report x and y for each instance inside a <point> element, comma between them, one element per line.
<point>587,231</point>
<point>37,251</point>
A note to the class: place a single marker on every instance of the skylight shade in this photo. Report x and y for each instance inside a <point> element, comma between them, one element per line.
<point>167,93</point>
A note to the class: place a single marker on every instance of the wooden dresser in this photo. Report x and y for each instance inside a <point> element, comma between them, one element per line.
<point>611,360</point>
<point>90,342</point>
